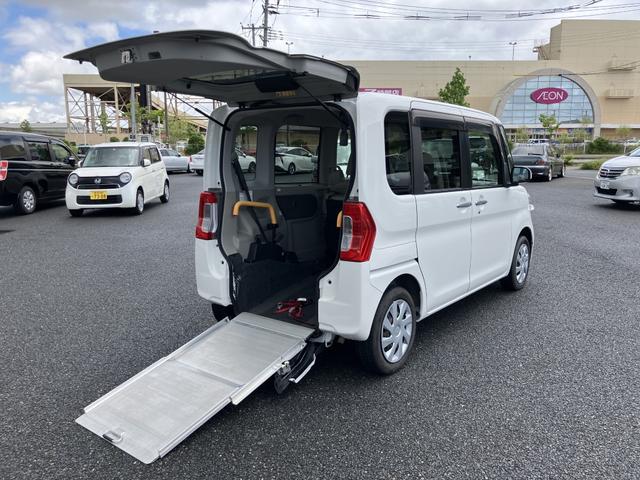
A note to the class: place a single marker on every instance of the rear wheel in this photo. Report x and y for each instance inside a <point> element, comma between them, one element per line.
<point>165,195</point>
<point>199,172</point>
<point>392,333</point>
<point>292,168</point>
<point>26,201</point>
<point>519,271</point>
<point>76,213</point>
<point>252,167</point>
<point>550,175</point>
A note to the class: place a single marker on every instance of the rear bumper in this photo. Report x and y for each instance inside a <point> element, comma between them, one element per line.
<point>622,189</point>
<point>124,197</point>
<point>537,171</point>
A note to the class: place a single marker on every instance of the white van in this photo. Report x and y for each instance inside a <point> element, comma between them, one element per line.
<point>291,262</point>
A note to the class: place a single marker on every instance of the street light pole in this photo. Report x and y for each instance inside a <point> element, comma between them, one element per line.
<point>289,47</point>
<point>513,50</point>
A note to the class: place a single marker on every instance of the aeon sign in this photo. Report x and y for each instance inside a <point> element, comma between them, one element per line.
<point>549,95</point>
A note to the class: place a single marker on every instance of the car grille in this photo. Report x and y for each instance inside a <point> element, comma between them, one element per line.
<point>606,172</point>
<point>607,191</point>
<point>85,200</point>
<point>89,183</point>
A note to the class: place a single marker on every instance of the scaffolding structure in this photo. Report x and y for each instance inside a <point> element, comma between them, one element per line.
<point>97,110</point>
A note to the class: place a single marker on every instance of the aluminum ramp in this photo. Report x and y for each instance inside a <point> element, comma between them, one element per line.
<point>152,412</point>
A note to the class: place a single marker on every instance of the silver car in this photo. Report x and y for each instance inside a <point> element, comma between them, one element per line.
<point>619,179</point>
<point>197,162</point>
<point>174,162</point>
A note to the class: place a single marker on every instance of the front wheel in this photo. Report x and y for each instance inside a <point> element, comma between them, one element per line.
<point>252,167</point>
<point>26,201</point>
<point>199,172</point>
<point>392,333</point>
<point>519,271</point>
<point>165,195</point>
<point>139,208</point>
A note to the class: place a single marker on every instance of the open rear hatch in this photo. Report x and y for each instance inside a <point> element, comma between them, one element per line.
<point>221,66</point>
<point>152,412</point>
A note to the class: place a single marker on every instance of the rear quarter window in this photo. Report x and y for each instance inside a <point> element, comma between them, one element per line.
<point>12,148</point>
<point>397,152</point>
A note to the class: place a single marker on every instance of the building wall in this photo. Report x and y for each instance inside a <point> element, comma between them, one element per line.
<point>600,52</point>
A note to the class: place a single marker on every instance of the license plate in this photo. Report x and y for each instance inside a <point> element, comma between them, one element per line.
<point>604,185</point>
<point>98,195</point>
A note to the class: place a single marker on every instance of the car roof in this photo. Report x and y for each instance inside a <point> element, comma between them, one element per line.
<point>125,144</point>
<point>28,134</point>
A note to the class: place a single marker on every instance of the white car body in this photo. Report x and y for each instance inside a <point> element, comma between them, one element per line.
<point>174,162</point>
<point>619,179</point>
<point>104,181</point>
<point>197,162</point>
<point>291,263</point>
<point>247,162</point>
<point>294,159</point>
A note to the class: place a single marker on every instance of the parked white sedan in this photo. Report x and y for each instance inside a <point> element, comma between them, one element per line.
<point>295,159</point>
<point>174,162</point>
<point>247,162</point>
<point>197,162</point>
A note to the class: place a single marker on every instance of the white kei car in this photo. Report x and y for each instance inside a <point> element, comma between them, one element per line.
<point>118,175</point>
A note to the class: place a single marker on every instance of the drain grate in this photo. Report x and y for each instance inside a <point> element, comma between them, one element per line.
<point>6,231</point>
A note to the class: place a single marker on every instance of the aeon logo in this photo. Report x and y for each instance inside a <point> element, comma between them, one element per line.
<point>549,95</point>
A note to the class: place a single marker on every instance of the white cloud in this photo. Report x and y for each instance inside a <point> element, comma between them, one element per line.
<point>32,110</point>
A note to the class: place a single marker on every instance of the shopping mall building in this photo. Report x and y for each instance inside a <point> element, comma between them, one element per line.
<point>588,76</point>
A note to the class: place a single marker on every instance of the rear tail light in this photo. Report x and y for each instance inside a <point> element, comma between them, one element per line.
<point>540,161</point>
<point>4,169</point>
<point>358,232</point>
<point>207,216</point>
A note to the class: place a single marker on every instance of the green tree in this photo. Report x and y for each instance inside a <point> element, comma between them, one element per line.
<point>522,135</point>
<point>549,123</point>
<point>194,144</point>
<point>103,118</point>
<point>179,129</point>
<point>455,90</point>
<point>114,139</point>
<point>623,132</point>
<point>25,126</point>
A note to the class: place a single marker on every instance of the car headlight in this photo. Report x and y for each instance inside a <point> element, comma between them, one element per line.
<point>125,177</point>
<point>73,179</point>
<point>631,171</point>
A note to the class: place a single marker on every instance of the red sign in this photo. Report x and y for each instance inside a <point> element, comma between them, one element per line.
<point>390,90</point>
<point>549,95</point>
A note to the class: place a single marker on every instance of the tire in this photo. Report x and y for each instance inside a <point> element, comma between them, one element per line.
<point>252,167</point>
<point>164,198</point>
<point>549,177</point>
<point>26,201</point>
<point>520,263</point>
<point>563,171</point>
<point>200,172</point>
<point>387,348</point>
<point>292,168</point>
<point>139,208</point>
<point>76,213</point>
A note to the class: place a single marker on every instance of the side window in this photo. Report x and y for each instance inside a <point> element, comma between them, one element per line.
<point>246,146</point>
<point>12,148</point>
<point>343,155</point>
<point>505,146</point>
<point>486,160</point>
<point>289,165</point>
<point>39,151</point>
<point>165,153</point>
<point>60,153</point>
<point>440,158</point>
<point>146,154</point>
<point>397,152</point>
<point>155,156</point>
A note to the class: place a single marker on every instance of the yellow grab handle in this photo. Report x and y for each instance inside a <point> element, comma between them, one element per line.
<point>246,203</point>
<point>339,220</point>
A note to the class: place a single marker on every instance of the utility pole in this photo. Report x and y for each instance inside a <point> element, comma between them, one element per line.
<point>289,47</point>
<point>166,120</point>
<point>513,50</point>
<point>253,29</point>
<point>133,129</point>
<point>265,23</point>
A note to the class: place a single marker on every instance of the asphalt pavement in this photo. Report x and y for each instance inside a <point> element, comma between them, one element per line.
<point>542,383</point>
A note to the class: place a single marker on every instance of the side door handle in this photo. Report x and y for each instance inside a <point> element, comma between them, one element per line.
<point>481,202</point>
<point>464,205</point>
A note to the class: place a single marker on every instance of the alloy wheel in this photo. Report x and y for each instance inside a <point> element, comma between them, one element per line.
<point>522,263</point>
<point>28,200</point>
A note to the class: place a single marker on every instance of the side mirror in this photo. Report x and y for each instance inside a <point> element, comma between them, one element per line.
<point>521,174</point>
<point>72,161</point>
<point>146,162</point>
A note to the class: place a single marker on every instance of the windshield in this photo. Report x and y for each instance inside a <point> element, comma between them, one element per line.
<point>112,157</point>
<point>532,149</point>
<point>635,153</point>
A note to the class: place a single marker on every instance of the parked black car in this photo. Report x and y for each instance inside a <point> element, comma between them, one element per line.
<point>33,168</point>
<point>541,158</point>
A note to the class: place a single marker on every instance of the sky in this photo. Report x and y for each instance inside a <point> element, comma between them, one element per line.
<point>36,34</point>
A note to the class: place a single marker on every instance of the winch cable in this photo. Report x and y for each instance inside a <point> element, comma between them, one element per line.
<point>243,185</point>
